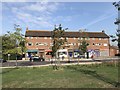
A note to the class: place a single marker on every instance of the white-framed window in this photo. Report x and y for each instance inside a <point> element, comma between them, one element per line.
<point>37,44</point>
<point>70,43</point>
<point>93,38</point>
<point>67,38</point>
<point>36,37</point>
<point>86,38</point>
<point>100,39</point>
<point>45,37</point>
<point>61,38</point>
<point>50,38</point>
<point>74,38</point>
<point>41,44</point>
<point>30,43</point>
<point>105,44</point>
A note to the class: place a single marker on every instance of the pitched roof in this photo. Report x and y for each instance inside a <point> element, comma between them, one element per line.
<point>43,33</point>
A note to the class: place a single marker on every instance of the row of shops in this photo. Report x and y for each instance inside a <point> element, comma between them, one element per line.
<point>67,53</point>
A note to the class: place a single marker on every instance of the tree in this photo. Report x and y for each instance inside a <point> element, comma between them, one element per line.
<point>114,38</point>
<point>13,42</point>
<point>58,41</point>
<point>83,43</point>
<point>83,46</point>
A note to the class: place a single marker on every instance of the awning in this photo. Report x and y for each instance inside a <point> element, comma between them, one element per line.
<point>32,50</point>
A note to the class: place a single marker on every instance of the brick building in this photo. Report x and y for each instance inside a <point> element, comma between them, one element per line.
<point>40,42</point>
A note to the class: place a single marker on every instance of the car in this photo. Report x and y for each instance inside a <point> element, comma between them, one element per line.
<point>2,60</point>
<point>37,58</point>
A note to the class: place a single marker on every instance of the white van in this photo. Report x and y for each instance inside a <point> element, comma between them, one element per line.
<point>62,53</point>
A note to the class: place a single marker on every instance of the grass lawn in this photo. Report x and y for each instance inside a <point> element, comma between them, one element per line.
<point>74,76</point>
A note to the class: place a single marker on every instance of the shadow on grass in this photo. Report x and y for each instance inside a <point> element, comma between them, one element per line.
<point>93,73</point>
<point>8,70</point>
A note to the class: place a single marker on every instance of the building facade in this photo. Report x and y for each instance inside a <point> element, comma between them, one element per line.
<point>40,42</point>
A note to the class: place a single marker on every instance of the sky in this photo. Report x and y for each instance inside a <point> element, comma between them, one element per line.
<point>92,16</point>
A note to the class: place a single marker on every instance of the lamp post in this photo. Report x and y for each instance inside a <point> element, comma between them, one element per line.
<point>17,43</point>
<point>8,58</point>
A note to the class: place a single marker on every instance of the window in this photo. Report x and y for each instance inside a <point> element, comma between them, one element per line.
<point>93,44</point>
<point>45,37</point>
<point>41,43</point>
<point>85,38</point>
<point>29,44</point>
<point>93,38</point>
<point>37,44</point>
<point>50,38</point>
<point>70,43</point>
<point>36,38</point>
<point>74,38</point>
<point>66,37</point>
<point>99,38</point>
<point>61,38</point>
<point>105,44</point>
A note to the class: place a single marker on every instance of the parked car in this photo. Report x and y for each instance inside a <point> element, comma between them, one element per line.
<point>37,58</point>
<point>2,60</point>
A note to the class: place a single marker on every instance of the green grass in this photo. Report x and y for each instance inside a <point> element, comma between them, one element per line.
<point>75,76</point>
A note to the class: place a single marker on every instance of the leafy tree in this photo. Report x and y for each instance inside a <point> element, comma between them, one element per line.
<point>13,42</point>
<point>83,43</point>
<point>83,46</point>
<point>58,41</point>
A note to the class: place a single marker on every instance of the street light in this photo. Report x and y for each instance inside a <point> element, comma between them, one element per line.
<point>17,43</point>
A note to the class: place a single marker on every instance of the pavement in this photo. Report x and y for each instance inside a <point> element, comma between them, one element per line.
<point>27,63</point>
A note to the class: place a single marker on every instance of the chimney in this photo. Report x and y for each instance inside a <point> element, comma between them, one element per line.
<point>26,28</point>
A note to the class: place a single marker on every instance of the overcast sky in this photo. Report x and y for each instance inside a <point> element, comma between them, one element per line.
<point>92,16</point>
